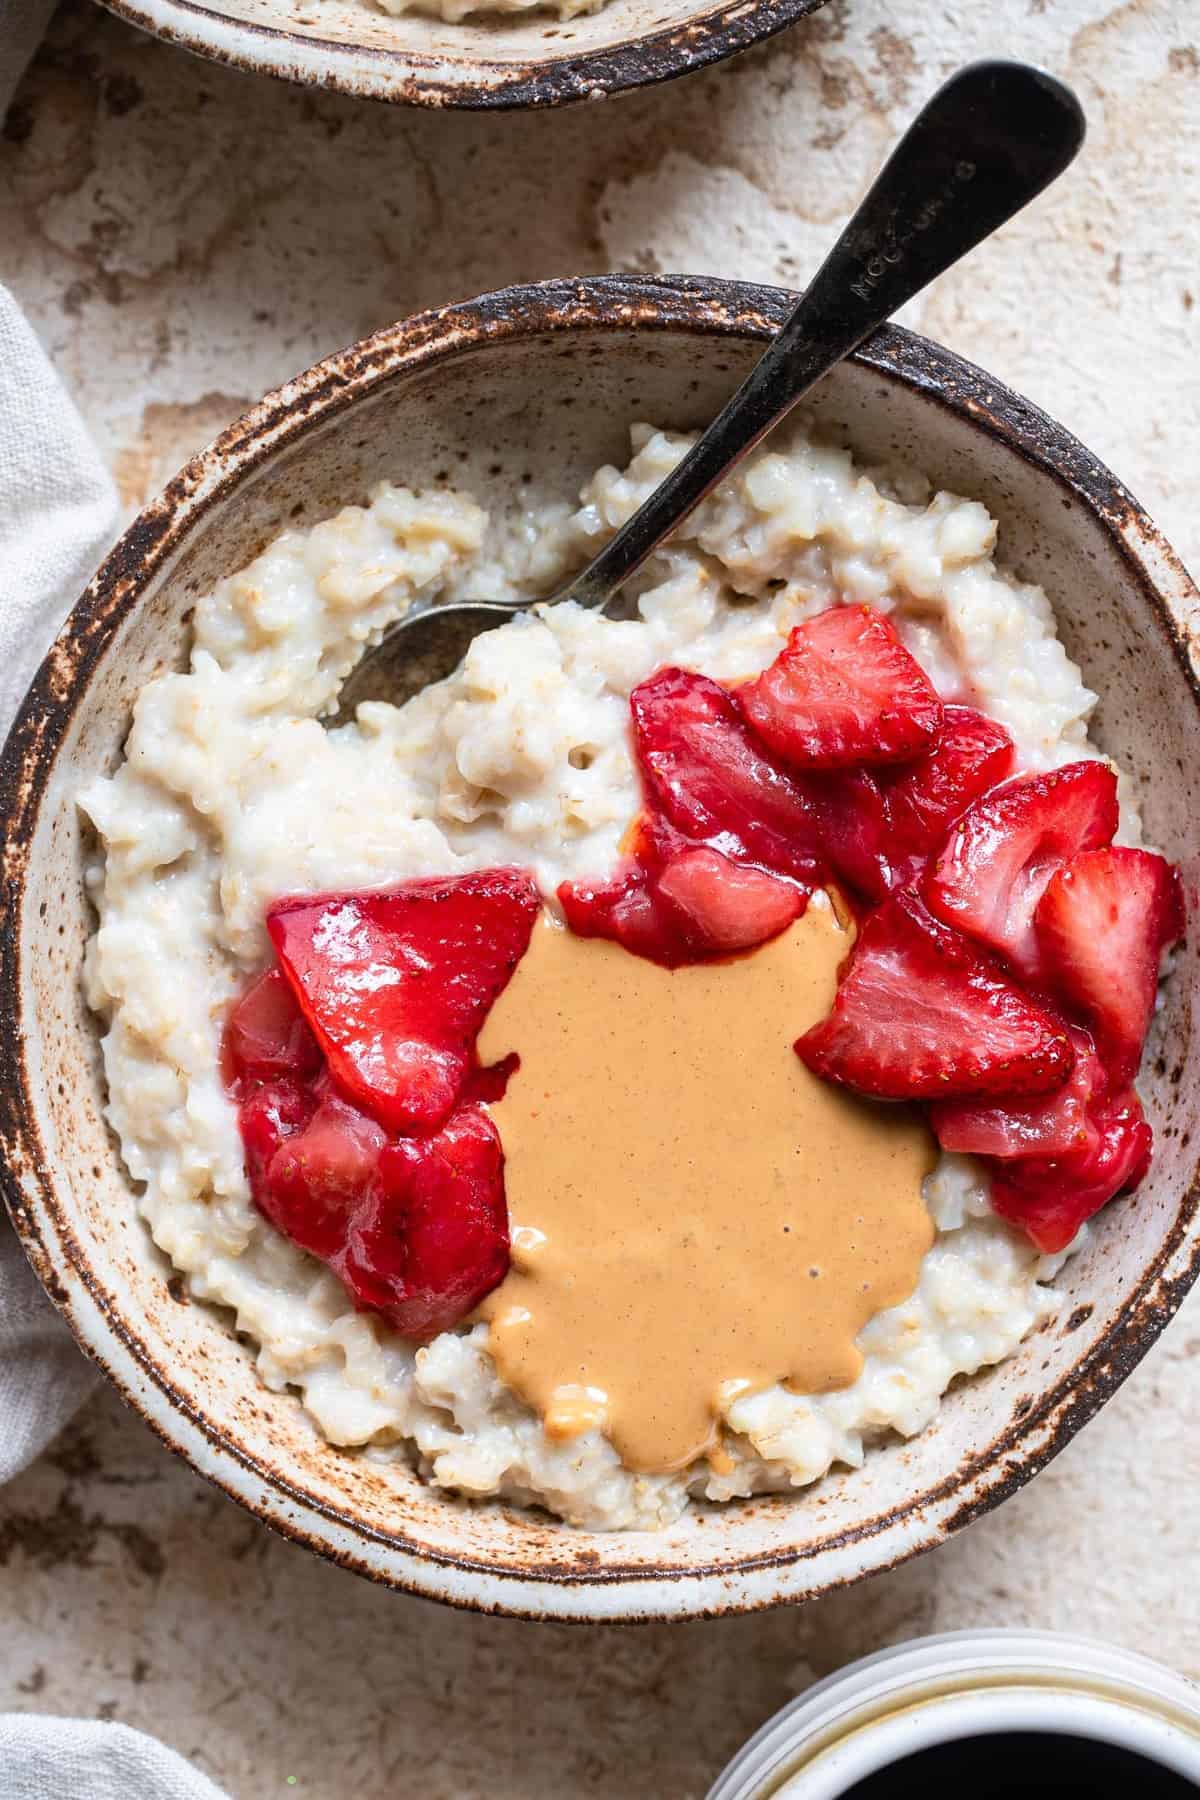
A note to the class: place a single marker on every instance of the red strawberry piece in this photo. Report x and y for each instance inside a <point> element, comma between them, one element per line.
<point>723,906</point>
<point>431,1237</point>
<point>843,692</point>
<point>706,772</point>
<point>1102,926</point>
<point>319,1178</point>
<point>921,1013</point>
<point>267,1033</point>
<point>491,1083</point>
<point>415,1228</point>
<point>855,827</point>
<point>622,907</point>
<point>1050,1197</point>
<point>677,902</point>
<point>1002,853</point>
<point>268,1113</point>
<point>927,795</point>
<point>1049,1125</point>
<point>880,826</point>
<point>396,985</point>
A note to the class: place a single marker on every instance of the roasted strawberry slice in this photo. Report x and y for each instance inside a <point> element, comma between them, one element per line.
<point>677,902</point>
<point>396,985</point>
<point>1050,1197</point>
<point>431,1237</point>
<point>1102,926</point>
<point>490,1083</point>
<point>880,826</point>
<point>921,1013</point>
<point>1048,1125</point>
<point>267,1034</point>
<point>843,692</point>
<point>622,907</point>
<point>319,1177</point>
<point>855,826</point>
<point>1002,853</point>
<point>705,771</point>
<point>270,1112</point>
<point>415,1228</point>
<point>722,906</point>
<point>625,906</point>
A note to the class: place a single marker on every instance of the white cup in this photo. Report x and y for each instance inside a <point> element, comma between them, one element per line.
<point>964,1684</point>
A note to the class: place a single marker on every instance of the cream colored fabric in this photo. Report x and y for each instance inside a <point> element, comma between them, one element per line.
<point>83,1759</point>
<point>58,513</point>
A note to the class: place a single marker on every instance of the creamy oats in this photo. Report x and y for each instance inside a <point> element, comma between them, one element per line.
<point>453,11</point>
<point>233,793</point>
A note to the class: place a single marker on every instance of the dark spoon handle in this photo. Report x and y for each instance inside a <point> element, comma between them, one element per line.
<point>986,144</point>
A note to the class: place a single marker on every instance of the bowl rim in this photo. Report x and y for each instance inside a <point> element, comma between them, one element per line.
<point>557,1587</point>
<point>411,78</point>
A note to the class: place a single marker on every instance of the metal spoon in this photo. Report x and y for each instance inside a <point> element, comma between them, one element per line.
<point>985,145</point>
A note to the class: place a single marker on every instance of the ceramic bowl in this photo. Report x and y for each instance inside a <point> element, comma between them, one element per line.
<point>522,391</point>
<point>506,60</point>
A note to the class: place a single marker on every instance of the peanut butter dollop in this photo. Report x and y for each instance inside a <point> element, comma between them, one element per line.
<point>693,1214</point>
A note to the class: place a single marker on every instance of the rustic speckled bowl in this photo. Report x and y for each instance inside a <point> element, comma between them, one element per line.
<point>496,60</point>
<point>520,391</point>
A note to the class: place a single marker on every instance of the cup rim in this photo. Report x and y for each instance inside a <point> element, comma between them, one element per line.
<point>836,1771</point>
<point>893,1702</point>
<point>558,1586</point>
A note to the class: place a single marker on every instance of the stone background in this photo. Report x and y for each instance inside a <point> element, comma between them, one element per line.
<point>184,237</point>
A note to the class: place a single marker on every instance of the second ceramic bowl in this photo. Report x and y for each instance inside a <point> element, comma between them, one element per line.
<point>485,61</point>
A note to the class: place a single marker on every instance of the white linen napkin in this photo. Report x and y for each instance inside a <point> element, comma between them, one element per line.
<point>85,1759</point>
<point>58,511</point>
<point>58,514</point>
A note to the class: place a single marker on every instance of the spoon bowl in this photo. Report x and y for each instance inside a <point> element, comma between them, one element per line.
<point>422,648</point>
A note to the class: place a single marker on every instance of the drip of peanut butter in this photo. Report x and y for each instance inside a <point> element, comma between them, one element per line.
<point>693,1214</point>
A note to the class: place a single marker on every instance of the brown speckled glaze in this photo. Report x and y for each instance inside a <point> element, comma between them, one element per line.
<point>489,61</point>
<point>547,379</point>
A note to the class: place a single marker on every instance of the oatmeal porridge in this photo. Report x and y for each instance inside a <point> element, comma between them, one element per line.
<point>234,797</point>
<point>453,11</point>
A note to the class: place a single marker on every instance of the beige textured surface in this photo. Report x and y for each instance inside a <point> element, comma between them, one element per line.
<point>185,237</point>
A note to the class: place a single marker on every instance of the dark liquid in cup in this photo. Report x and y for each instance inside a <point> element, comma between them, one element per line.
<point>1024,1765</point>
